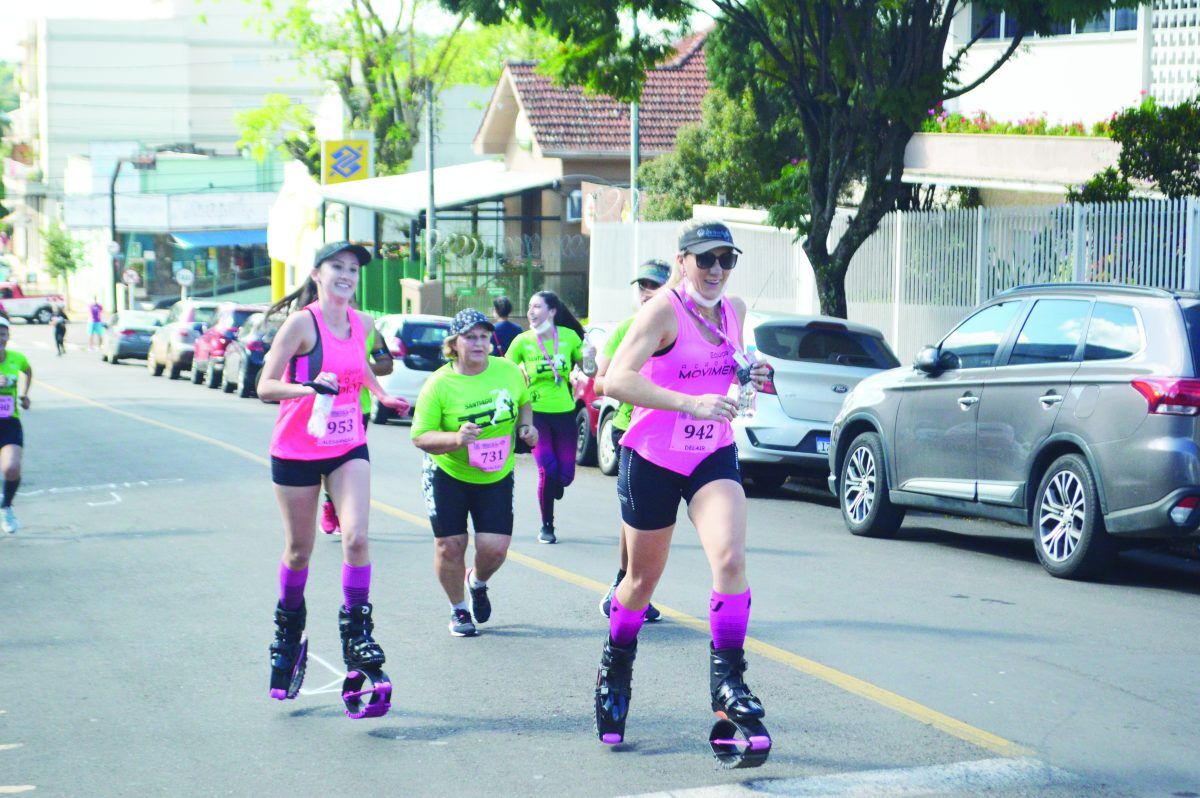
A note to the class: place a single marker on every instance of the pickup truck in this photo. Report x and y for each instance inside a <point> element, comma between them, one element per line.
<point>33,308</point>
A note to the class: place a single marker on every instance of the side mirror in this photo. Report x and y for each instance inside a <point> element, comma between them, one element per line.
<point>928,360</point>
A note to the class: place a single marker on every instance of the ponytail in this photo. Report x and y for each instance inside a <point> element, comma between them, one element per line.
<point>303,296</point>
<point>563,317</point>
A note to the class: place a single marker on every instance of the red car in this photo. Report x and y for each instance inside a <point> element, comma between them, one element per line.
<point>208,361</point>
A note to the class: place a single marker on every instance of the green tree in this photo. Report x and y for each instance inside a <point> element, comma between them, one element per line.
<point>380,65</point>
<point>728,154</point>
<point>859,76</point>
<point>64,253</point>
<point>1160,146</point>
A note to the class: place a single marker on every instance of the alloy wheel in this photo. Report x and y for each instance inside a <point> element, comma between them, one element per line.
<point>1061,516</point>
<point>858,494</point>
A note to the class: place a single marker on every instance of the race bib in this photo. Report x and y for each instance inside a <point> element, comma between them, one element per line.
<point>341,428</point>
<point>490,454</point>
<point>695,436</point>
<point>7,403</point>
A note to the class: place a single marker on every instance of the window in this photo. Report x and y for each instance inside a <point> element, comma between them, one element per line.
<point>1003,25</point>
<point>1051,333</point>
<point>1097,24</point>
<point>424,334</point>
<point>974,343</point>
<point>575,206</point>
<point>817,344</point>
<point>985,23</point>
<point>1125,19</point>
<point>6,293</point>
<point>1113,333</point>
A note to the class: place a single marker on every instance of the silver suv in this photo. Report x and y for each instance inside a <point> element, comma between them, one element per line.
<point>1068,407</point>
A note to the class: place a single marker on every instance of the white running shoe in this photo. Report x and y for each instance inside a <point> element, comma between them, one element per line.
<point>8,520</point>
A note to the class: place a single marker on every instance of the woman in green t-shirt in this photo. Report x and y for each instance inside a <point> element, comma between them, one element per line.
<point>13,400</point>
<point>546,353</point>
<point>465,421</point>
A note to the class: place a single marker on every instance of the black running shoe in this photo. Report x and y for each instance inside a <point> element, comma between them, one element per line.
<point>461,624</point>
<point>547,534</point>
<point>606,604</point>
<point>481,606</point>
<point>652,614</point>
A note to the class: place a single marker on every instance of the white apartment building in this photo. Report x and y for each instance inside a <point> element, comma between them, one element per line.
<point>1085,72</point>
<point>100,88</point>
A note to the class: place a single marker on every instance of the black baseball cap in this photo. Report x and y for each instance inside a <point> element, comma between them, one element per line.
<point>465,319</point>
<point>699,237</point>
<point>654,270</point>
<point>334,247</point>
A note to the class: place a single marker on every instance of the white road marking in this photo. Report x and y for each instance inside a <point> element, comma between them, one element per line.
<point>107,486</point>
<point>959,778</point>
<point>10,746</point>
<point>116,500</point>
<point>15,789</point>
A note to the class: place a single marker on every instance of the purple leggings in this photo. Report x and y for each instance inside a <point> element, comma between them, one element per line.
<point>555,458</point>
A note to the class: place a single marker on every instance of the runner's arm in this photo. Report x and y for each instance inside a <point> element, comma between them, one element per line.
<point>297,332</point>
<point>380,356</point>
<point>26,372</point>
<point>603,361</point>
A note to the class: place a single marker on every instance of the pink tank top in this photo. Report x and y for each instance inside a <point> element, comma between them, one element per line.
<point>694,366</point>
<point>344,429</point>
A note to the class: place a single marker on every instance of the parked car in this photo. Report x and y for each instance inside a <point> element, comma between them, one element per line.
<point>244,355</point>
<point>1069,408</point>
<point>589,441</point>
<point>208,353</point>
<point>814,362</point>
<point>171,345</point>
<point>128,335</point>
<point>37,308</point>
<point>415,342</point>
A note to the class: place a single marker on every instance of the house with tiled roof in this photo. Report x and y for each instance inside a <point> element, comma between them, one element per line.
<point>582,140</point>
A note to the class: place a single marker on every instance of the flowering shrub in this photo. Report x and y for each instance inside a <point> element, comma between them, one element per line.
<point>939,120</point>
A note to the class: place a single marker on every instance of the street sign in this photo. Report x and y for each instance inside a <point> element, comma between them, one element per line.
<point>346,160</point>
<point>185,277</point>
<point>466,290</point>
<point>130,277</point>
<point>496,290</point>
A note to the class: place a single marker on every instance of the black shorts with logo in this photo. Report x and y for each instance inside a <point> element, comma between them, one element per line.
<point>308,473</point>
<point>650,494</point>
<point>449,501</point>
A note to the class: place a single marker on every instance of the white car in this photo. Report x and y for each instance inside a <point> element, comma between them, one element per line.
<point>415,342</point>
<point>815,362</point>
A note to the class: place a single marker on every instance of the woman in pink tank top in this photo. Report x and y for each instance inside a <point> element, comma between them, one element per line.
<point>316,369</point>
<point>676,366</point>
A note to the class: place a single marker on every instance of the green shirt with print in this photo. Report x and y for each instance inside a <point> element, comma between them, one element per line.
<point>547,395</point>
<point>490,399</point>
<point>10,371</point>
<point>625,412</point>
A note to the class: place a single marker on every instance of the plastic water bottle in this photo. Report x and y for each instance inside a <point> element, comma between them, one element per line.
<point>746,390</point>
<point>319,418</point>
<point>589,354</point>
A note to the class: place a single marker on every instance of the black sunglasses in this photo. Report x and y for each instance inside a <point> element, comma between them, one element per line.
<point>705,260</point>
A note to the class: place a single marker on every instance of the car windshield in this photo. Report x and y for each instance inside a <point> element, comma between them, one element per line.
<point>139,318</point>
<point>821,343</point>
<point>414,334</point>
<point>240,317</point>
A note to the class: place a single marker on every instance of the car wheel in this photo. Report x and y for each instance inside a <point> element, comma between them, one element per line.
<point>214,376</point>
<point>764,479</point>
<point>585,441</point>
<point>379,413</point>
<point>1068,527</point>
<point>863,490</point>
<point>607,455</point>
<point>113,358</point>
<point>103,358</point>
<point>175,371</point>
<point>153,366</point>
<point>245,384</point>
<point>43,316</point>
<point>197,374</point>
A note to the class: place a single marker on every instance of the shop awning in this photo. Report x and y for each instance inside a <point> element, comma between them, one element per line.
<point>220,238</point>
<point>454,187</point>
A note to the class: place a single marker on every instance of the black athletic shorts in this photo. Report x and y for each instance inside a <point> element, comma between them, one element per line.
<point>11,433</point>
<point>650,494</point>
<point>449,501</point>
<point>308,473</point>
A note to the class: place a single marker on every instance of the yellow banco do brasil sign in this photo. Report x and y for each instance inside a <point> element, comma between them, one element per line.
<point>345,160</point>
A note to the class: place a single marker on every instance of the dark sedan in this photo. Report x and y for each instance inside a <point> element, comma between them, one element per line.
<point>244,355</point>
<point>128,335</point>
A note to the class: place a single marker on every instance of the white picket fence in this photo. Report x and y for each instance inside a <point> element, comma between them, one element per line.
<point>921,272</point>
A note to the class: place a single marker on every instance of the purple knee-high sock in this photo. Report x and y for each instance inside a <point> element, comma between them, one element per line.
<point>291,586</point>
<point>624,624</point>
<point>728,617</point>
<point>356,583</point>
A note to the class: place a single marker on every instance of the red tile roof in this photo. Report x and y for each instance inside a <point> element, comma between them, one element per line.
<point>568,120</point>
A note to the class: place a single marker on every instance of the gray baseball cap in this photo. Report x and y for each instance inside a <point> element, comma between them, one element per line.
<point>334,247</point>
<point>654,270</point>
<point>704,236</point>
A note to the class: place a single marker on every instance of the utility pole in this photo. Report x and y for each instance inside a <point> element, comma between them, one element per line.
<point>114,246</point>
<point>430,207</point>
<point>635,157</point>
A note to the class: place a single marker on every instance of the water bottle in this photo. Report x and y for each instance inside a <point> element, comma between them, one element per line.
<point>746,390</point>
<point>319,418</point>
<point>589,354</point>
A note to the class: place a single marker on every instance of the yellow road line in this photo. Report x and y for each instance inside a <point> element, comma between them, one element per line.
<point>843,681</point>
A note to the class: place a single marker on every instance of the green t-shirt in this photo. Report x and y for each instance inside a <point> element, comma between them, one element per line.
<point>10,370</point>
<point>547,395</point>
<point>625,411</point>
<point>490,399</point>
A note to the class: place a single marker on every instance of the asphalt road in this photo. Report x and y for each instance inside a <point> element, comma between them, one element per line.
<point>136,601</point>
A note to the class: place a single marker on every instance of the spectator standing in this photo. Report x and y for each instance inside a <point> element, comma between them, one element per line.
<point>506,330</point>
<point>96,325</point>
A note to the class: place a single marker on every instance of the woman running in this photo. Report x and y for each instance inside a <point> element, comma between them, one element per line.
<point>466,417</point>
<point>652,276</point>
<point>321,350</point>
<point>546,353</point>
<point>675,367</point>
<point>13,399</point>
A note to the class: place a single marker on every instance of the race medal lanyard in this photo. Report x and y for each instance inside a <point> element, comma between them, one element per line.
<point>742,361</point>
<point>553,361</point>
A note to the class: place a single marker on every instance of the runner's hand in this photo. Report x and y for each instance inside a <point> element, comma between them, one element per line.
<point>328,379</point>
<point>24,402</point>
<point>760,373</point>
<point>468,433</point>
<point>713,407</point>
<point>529,436</point>
<point>395,403</point>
